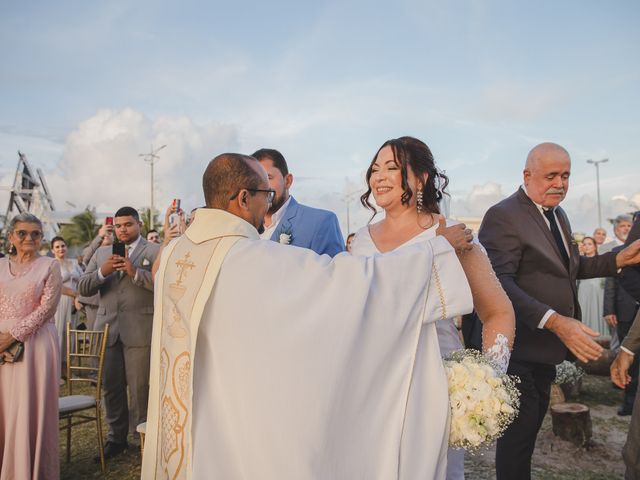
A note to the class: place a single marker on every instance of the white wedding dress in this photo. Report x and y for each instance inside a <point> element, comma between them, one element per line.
<point>448,340</point>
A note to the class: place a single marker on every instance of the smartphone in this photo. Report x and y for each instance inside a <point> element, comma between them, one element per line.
<point>118,248</point>
<point>175,216</point>
<point>108,221</point>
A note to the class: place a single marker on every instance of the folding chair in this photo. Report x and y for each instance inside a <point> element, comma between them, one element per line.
<point>85,359</point>
<point>142,431</point>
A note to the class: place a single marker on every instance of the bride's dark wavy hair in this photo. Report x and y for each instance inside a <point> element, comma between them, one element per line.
<point>413,152</point>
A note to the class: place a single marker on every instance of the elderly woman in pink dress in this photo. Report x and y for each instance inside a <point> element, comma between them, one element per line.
<point>30,287</point>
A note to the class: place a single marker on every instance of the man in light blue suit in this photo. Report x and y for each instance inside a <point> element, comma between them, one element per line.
<point>291,223</point>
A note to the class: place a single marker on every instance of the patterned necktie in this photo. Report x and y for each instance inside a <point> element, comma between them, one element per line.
<point>555,231</point>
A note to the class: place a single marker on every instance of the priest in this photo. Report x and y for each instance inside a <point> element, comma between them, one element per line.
<point>271,362</point>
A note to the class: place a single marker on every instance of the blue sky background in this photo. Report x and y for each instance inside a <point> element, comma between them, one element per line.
<point>87,86</point>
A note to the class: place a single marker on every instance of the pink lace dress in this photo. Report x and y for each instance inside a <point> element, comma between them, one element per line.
<point>29,388</point>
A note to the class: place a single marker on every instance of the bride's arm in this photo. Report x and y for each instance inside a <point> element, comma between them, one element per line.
<point>492,305</point>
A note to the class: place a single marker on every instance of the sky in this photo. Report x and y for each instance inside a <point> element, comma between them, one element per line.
<point>88,86</point>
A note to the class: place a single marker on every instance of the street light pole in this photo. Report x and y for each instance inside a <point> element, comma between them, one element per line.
<point>348,198</point>
<point>597,165</point>
<point>151,158</point>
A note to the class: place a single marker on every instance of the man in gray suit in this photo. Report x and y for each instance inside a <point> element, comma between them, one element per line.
<point>126,304</point>
<point>528,239</point>
<point>621,227</point>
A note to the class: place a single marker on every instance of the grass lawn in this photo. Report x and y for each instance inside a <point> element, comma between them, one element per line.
<point>84,448</point>
<point>553,458</point>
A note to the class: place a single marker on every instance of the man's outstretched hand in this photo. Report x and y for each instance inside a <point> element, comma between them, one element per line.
<point>576,336</point>
<point>620,369</point>
<point>630,255</point>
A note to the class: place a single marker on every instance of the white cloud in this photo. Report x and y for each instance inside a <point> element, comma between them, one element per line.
<point>477,201</point>
<point>101,164</point>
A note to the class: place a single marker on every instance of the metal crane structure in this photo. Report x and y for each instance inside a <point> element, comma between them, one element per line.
<point>30,193</point>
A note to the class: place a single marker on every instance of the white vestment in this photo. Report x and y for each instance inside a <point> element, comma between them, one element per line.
<point>303,365</point>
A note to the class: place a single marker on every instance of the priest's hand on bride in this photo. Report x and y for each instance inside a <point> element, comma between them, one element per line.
<point>459,236</point>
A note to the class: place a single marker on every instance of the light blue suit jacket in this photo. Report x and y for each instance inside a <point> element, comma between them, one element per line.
<point>311,228</point>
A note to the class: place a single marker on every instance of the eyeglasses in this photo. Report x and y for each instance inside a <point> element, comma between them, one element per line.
<point>22,234</point>
<point>270,193</point>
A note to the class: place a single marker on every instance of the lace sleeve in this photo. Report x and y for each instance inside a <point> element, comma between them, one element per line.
<point>492,305</point>
<point>45,309</point>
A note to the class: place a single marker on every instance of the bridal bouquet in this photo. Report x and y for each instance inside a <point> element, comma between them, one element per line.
<point>483,402</point>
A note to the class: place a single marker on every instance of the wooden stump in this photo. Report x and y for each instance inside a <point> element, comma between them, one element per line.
<point>572,422</point>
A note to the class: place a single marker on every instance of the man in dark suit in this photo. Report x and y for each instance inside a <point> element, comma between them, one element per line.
<point>528,239</point>
<point>629,277</point>
<point>126,304</point>
<point>289,222</point>
<point>620,367</point>
<point>619,310</point>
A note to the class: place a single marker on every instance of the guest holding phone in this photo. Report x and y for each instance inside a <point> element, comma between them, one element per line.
<point>30,287</point>
<point>121,273</point>
<point>174,226</point>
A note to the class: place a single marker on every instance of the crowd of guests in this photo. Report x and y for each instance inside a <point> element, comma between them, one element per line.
<point>523,267</point>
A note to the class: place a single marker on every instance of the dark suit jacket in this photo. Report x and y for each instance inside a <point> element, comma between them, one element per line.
<point>527,261</point>
<point>617,301</point>
<point>311,228</point>
<point>632,340</point>
<point>630,276</point>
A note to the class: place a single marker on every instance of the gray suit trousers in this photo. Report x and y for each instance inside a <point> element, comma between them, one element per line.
<point>117,377</point>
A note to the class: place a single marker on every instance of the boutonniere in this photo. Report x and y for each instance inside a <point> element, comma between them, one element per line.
<point>285,237</point>
<point>145,262</point>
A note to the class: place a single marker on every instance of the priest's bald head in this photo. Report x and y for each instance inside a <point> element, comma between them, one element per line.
<point>239,185</point>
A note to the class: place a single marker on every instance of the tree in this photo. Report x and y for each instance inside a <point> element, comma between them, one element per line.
<point>82,228</point>
<point>145,218</point>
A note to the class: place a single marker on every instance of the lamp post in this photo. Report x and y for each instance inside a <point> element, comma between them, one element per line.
<point>347,198</point>
<point>151,158</point>
<point>597,165</point>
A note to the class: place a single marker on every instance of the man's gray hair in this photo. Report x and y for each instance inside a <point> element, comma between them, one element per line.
<point>24,217</point>
<point>622,218</point>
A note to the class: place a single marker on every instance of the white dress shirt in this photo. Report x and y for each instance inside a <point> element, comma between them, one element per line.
<point>275,220</point>
<point>540,208</point>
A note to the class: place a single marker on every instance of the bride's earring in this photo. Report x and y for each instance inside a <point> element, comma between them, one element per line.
<point>419,202</point>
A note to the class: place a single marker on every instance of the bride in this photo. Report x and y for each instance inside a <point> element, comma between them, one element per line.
<point>406,184</point>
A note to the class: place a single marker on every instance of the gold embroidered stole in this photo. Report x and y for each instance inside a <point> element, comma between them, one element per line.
<point>185,280</point>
